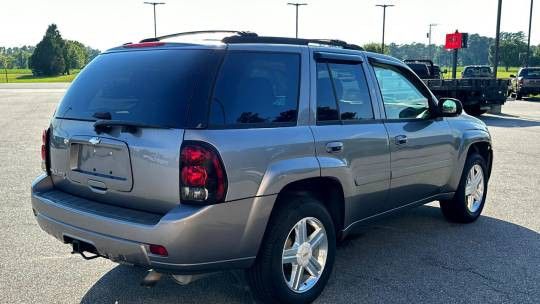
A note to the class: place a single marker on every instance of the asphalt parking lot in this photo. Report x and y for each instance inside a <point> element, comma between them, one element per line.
<point>415,257</point>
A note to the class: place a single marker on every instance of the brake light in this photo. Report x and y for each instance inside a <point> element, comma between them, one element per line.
<point>202,175</point>
<point>143,45</point>
<point>45,150</point>
<point>158,250</point>
<point>195,176</point>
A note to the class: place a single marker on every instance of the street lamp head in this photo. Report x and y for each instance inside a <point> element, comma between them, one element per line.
<point>385,5</point>
<point>154,3</point>
<point>296,3</point>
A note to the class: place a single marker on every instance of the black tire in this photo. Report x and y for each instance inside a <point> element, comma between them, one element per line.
<point>475,111</point>
<point>266,278</point>
<point>519,96</point>
<point>456,210</point>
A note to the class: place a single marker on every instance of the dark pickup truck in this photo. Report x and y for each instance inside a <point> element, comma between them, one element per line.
<point>477,95</point>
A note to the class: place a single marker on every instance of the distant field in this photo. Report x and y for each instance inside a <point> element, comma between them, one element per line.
<point>25,75</point>
<point>501,72</point>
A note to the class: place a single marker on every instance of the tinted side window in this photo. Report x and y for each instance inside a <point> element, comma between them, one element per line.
<point>402,99</point>
<point>352,91</point>
<point>326,100</point>
<point>256,88</point>
<point>344,84</point>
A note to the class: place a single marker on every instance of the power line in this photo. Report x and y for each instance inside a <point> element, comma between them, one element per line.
<point>154,5</point>
<point>296,4</point>
<point>384,6</point>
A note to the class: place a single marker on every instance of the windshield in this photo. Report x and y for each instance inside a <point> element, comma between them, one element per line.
<point>152,87</point>
<point>477,71</point>
<point>530,73</point>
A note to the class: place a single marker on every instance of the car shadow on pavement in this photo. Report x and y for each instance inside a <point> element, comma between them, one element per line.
<point>532,99</point>
<point>508,121</point>
<point>414,257</point>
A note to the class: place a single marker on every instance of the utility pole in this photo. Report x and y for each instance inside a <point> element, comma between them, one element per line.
<point>429,36</point>
<point>529,37</point>
<point>296,4</point>
<point>154,5</point>
<point>497,38</point>
<point>384,6</point>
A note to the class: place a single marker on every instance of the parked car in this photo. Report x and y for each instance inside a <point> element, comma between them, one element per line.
<point>526,83</point>
<point>256,153</point>
<point>477,71</point>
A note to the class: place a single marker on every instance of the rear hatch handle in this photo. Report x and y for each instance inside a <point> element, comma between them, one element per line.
<point>129,126</point>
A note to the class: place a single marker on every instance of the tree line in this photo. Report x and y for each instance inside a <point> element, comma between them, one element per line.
<point>480,51</point>
<point>52,56</point>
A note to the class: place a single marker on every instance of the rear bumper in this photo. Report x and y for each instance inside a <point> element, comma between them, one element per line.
<point>529,90</point>
<point>198,239</point>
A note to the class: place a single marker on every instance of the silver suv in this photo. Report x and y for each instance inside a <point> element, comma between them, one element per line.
<point>256,153</point>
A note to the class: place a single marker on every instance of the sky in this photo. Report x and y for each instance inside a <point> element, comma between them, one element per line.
<point>104,24</point>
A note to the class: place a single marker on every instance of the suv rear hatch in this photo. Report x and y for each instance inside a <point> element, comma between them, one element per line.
<point>116,135</point>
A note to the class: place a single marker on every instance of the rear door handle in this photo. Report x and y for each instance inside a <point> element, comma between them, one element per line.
<point>334,147</point>
<point>401,139</point>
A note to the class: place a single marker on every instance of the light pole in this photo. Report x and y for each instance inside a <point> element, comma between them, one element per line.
<point>429,36</point>
<point>529,37</point>
<point>497,38</point>
<point>296,4</point>
<point>154,5</point>
<point>384,6</point>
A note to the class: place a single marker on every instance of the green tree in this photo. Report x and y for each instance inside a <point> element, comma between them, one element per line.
<point>48,57</point>
<point>91,53</point>
<point>375,48</point>
<point>512,47</point>
<point>478,50</point>
<point>74,55</point>
<point>4,61</point>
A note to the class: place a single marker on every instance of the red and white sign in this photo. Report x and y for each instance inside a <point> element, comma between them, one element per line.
<point>453,41</point>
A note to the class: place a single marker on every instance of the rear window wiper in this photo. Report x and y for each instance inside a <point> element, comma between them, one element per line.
<point>102,115</point>
<point>129,126</point>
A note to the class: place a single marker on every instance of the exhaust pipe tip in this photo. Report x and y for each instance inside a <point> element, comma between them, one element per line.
<point>187,279</point>
<point>151,279</point>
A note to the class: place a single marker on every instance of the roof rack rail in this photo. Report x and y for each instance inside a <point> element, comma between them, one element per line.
<point>238,33</point>
<point>292,41</point>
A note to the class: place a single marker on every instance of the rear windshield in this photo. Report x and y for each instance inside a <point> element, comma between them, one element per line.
<point>420,69</point>
<point>477,71</point>
<point>530,73</point>
<point>154,87</point>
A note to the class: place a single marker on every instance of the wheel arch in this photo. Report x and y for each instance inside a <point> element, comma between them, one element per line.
<point>477,142</point>
<point>327,190</point>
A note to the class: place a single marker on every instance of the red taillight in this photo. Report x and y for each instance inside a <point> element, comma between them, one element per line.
<point>194,155</point>
<point>158,250</point>
<point>194,176</point>
<point>45,150</point>
<point>202,177</point>
<point>143,45</point>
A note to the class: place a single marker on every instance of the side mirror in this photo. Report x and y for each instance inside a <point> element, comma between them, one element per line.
<point>449,107</point>
<point>512,76</point>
